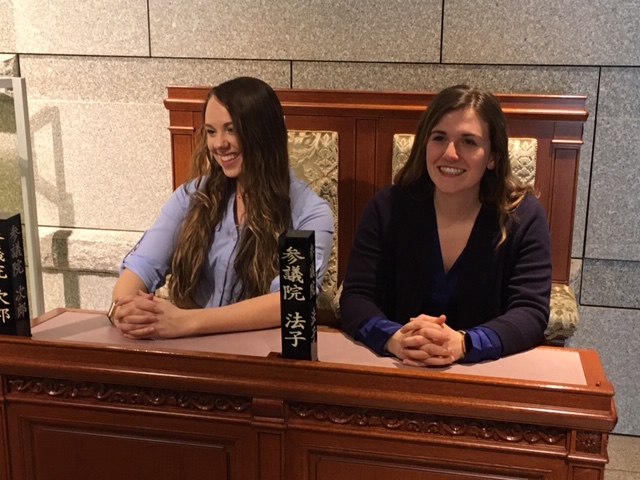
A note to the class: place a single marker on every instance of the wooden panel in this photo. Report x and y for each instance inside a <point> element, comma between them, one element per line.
<point>330,457</point>
<point>365,180</point>
<point>561,216</point>
<point>51,443</point>
<point>182,148</point>
<point>141,411</point>
<point>5,471</point>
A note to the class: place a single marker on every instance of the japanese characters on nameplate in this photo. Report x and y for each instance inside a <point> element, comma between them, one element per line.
<point>14,301</point>
<point>298,294</point>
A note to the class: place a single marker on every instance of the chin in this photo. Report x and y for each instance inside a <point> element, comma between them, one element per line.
<point>231,172</point>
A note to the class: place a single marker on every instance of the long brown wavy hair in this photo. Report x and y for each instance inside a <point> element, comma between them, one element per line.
<point>258,121</point>
<point>498,187</point>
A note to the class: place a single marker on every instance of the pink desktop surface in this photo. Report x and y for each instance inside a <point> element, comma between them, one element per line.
<point>545,365</point>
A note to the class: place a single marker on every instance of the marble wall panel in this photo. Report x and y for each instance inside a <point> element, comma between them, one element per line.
<point>613,333</point>
<point>7,27</point>
<point>100,165</point>
<point>366,30</point>
<point>80,266</point>
<point>100,140</point>
<point>77,290</point>
<point>575,276</point>
<point>505,79</point>
<point>571,32</point>
<point>90,27</point>
<point>613,231</point>
<point>134,80</point>
<point>610,283</point>
<point>624,458</point>
<point>85,250</point>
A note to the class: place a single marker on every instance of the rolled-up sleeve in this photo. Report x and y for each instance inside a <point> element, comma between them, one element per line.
<point>150,259</point>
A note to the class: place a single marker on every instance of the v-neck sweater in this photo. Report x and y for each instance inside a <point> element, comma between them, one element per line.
<point>505,288</point>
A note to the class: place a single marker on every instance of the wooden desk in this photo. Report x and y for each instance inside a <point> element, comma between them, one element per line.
<point>80,401</point>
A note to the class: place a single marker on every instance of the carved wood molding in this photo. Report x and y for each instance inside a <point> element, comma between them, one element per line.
<point>588,442</point>
<point>436,425</point>
<point>126,395</point>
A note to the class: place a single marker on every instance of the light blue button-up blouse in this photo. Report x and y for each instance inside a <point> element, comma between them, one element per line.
<point>150,258</point>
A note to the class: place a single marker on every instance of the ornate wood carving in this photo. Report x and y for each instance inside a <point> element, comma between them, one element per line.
<point>588,442</point>
<point>430,424</point>
<point>127,395</point>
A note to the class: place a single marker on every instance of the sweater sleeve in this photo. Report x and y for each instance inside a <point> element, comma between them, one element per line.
<point>528,282</point>
<point>364,282</point>
<point>376,332</point>
<point>486,345</point>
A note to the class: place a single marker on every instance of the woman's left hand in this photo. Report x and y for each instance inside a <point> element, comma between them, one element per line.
<point>167,321</point>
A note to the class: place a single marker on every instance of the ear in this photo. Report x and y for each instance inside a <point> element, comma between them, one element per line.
<point>492,161</point>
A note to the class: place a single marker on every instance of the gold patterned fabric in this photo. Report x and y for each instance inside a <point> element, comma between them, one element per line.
<point>313,157</point>
<point>402,144</point>
<point>523,153</point>
<point>563,319</point>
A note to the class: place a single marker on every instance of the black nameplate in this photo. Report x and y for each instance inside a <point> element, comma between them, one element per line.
<point>298,294</point>
<point>14,301</point>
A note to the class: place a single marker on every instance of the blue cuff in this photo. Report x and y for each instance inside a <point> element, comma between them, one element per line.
<point>486,345</point>
<point>375,332</point>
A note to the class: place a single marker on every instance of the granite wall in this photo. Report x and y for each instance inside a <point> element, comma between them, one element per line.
<point>97,71</point>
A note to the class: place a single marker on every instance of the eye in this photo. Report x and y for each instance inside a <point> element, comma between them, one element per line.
<point>230,129</point>
<point>210,132</point>
<point>438,137</point>
<point>470,141</point>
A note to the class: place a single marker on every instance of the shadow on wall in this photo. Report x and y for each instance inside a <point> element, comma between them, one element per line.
<point>8,117</point>
<point>56,193</point>
<point>10,186</point>
<point>70,279</point>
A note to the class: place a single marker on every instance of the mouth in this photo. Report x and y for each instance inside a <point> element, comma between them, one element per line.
<point>451,170</point>
<point>229,157</point>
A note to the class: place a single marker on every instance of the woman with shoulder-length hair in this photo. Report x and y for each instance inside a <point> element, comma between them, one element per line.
<point>453,262</point>
<point>218,234</point>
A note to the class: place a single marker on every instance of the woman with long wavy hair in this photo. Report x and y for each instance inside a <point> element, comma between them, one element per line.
<point>218,234</point>
<point>453,262</point>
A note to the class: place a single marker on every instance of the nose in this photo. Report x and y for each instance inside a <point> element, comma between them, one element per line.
<point>220,142</point>
<point>451,151</point>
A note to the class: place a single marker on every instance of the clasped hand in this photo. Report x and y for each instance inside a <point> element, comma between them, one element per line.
<point>146,316</point>
<point>426,341</point>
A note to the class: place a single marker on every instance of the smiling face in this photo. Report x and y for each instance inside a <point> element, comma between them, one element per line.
<point>222,140</point>
<point>458,153</point>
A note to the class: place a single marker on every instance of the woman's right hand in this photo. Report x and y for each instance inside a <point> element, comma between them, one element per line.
<point>134,315</point>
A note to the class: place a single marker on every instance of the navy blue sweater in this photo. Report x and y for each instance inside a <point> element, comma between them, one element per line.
<point>506,289</point>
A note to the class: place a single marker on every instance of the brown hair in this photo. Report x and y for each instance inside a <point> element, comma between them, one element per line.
<point>258,120</point>
<point>498,186</point>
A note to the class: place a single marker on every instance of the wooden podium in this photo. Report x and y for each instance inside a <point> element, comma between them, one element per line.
<point>78,401</point>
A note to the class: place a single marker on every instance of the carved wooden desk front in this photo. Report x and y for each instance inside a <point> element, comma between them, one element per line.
<point>79,401</point>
